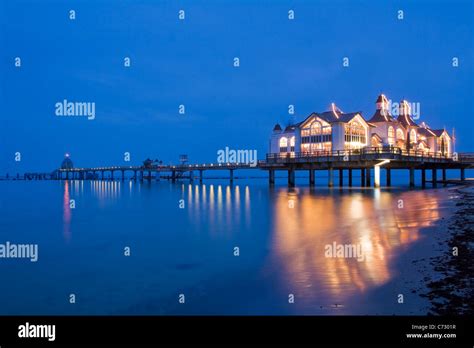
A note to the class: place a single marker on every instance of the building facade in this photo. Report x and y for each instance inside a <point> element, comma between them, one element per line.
<point>335,130</point>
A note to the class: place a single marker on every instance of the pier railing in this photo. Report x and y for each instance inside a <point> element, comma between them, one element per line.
<point>368,153</point>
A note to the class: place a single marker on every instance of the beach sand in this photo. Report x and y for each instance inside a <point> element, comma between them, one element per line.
<point>449,274</point>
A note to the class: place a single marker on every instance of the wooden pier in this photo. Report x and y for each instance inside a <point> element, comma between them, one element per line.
<point>368,161</point>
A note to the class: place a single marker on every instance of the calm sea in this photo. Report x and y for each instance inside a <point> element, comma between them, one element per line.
<point>240,249</point>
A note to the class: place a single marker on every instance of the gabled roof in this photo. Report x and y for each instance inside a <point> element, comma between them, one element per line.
<point>290,128</point>
<point>426,132</point>
<point>380,98</point>
<point>425,144</point>
<point>333,116</point>
<point>375,135</point>
<point>337,116</point>
<point>381,115</point>
<point>439,132</point>
<point>406,120</point>
<point>277,127</point>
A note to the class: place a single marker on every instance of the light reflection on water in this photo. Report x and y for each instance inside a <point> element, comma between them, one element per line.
<point>375,222</point>
<point>384,223</point>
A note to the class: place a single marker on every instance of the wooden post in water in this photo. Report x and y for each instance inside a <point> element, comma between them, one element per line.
<point>231,176</point>
<point>444,177</point>
<point>367,177</point>
<point>423,178</point>
<point>412,177</point>
<point>350,177</point>
<point>434,177</point>
<point>341,177</point>
<point>362,177</point>
<point>291,177</point>
<point>463,175</point>
<point>389,177</point>
<point>330,177</point>
<point>311,177</point>
<point>200,175</point>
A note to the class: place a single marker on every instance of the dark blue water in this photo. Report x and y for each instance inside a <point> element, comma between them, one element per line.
<point>281,234</point>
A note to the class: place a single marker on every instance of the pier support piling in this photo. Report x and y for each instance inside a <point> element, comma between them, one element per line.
<point>423,178</point>
<point>291,177</point>
<point>330,177</point>
<point>463,174</point>
<point>388,177</point>
<point>362,177</point>
<point>434,177</point>
<point>231,176</point>
<point>341,177</point>
<point>444,177</point>
<point>271,177</point>
<point>200,175</point>
<point>412,177</point>
<point>367,177</point>
<point>123,175</point>
<point>350,177</point>
<point>311,177</point>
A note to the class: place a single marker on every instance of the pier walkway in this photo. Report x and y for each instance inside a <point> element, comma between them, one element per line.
<point>366,161</point>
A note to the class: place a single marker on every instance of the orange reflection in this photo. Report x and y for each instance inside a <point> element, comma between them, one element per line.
<point>379,225</point>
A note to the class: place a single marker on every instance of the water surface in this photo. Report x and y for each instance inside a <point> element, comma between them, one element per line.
<point>281,234</point>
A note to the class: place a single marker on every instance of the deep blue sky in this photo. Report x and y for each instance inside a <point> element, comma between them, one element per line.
<point>190,62</point>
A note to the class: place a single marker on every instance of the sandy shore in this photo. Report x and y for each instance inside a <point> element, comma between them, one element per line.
<point>450,289</point>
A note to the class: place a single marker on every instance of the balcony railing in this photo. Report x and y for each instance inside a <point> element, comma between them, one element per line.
<point>359,154</point>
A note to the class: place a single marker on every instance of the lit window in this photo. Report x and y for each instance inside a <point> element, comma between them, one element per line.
<point>354,135</point>
<point>391,135</point>
<point>316,128</point>
<point>413,136</point>
<point>400,134</point>
<point>283,144</point>
<point>292,144</point>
